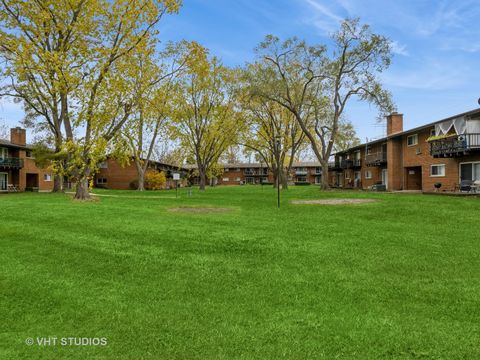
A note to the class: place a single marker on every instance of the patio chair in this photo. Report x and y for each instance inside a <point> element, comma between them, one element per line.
<point>476,186</point>
<point>466,185</point>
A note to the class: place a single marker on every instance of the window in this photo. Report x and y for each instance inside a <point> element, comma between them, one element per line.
<point>226,179</point>
<point>227,169</point>
<point>357,155</point>
<point>103,165</point>
<point>3,153</point>
<point>369,150</point>
<point>29,154</point>
<point>437,170</point>
<point>432,132</point>
<point>101,181</point>
<point>47,177</point>
<point>301,179</point>
<point>347,175</point>
<point>470,171</point>
<point>368,174</point>
<point>412,140</point>
<point>237,179</point>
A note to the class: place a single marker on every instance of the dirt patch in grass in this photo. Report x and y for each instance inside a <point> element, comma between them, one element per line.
<point>199,210</point>
<point>334,201</point>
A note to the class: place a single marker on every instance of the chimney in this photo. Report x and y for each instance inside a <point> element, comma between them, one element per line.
<point>394,123</point>
<point>18,136</point>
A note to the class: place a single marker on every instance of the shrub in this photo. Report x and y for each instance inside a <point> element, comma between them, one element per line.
<point>302,183</point>
<point>155,180</point>
<point>133,184</point>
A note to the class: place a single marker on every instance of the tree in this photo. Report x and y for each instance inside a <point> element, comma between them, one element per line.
<point>273,134</point>
<point>231,154</point>
<point>206,121</point>
<point>315,84</point>
<point>66,62</point>
<point>153,88</point>
<point>213,172</point>
<point>346,137</point>
<point>41,47</point>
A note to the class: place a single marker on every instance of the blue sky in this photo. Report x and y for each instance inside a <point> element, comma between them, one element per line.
<point>434,73</point>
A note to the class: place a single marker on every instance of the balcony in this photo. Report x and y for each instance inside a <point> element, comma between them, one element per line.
<point>376,159</point>
<point>350,164</point>
<point>249,172</point>
<point>454,146</point>
<point>11,163</point>
<point>334,165</point>
<point>301,172</point>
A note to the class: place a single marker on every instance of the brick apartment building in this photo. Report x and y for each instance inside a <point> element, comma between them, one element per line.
<point>112,175</point>
<point>256,173</point>
<point>446,152</point>
<point>18,171</point>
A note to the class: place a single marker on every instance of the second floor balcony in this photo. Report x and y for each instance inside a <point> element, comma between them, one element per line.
<point>376,159</point>
<point>351,163</point>
<point>11,163</point>
<point>345,164</point>
<point>454,146</point>
<point>255,172</point>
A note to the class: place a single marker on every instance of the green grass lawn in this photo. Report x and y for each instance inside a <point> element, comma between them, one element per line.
<point>395,279</point>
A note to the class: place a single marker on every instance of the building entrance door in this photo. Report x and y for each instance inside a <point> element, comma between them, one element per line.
<point>3,181</point>
<point>414,178</point>
<point>385,178</point>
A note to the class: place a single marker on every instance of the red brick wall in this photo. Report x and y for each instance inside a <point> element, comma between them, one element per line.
<point>394,164</point>
<point>118,177</point>
<point>419,156</point>
<point>29,167</point>
<point>394,123</point>
<point>18,136</point>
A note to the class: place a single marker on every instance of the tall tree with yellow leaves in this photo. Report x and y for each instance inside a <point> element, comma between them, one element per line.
<point>65,60</point>
<point>206,120</point>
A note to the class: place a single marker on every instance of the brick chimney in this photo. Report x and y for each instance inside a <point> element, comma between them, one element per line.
<point>18,136</point>
<point>394,123</point>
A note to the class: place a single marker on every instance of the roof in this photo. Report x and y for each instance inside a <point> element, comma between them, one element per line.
<point>8,143</point>
<point>260,165</point>
<point>470,114</point>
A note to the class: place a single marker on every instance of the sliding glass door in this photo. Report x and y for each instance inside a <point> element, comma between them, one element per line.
<point>3,181</point>
<point>470,171</point>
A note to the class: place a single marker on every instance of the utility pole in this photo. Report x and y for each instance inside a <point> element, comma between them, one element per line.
<point>277,155</point>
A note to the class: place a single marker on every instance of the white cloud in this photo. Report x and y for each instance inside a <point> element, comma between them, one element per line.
<point>323,18</point>
<point>398,48</point>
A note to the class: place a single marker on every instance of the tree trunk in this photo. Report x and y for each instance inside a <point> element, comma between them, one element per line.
<point>324,185</point>
<point>275,178</point>
<point>57,183</point>
<point>203,179</point>
<point>82,190</point>
<point>141,180</point>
